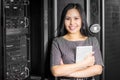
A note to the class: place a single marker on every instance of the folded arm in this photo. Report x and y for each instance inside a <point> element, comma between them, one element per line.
<point>85,67</point>
<point>66,69</point>
<point>88,72</point>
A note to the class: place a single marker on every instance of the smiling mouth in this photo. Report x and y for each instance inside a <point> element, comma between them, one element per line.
<point>72,27</point>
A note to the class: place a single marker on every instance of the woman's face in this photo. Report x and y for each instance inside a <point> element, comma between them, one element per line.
<point>73,21</point>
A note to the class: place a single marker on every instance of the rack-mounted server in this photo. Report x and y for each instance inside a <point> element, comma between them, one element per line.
<point>15,39</point>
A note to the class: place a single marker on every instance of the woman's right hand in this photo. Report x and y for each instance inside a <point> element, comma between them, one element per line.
<point>89,60</point>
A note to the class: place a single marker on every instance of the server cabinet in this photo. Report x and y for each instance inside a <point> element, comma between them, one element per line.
<point>37,38</point>
<point>111,39</point>
<point>1,54</point>
<point>16,39</point>
<point>94,16</point>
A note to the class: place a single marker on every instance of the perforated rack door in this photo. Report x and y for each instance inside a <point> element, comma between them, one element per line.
<point>112,39</point>
<point>16,39</point>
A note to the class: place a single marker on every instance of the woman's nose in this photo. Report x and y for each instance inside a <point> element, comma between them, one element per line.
<point>71,21</point>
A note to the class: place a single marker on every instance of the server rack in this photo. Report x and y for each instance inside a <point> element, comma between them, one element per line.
<point>1,60</point>
<point>15,39</point>
<point>111,38</point>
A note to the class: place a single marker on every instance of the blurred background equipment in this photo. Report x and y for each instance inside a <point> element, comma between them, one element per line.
<point>28,27</point>
<point>95,28</point>
<point>15,39</point>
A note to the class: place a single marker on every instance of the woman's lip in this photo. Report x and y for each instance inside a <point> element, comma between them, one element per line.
<point>72,27</point>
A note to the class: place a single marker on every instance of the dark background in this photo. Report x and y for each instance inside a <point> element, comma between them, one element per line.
<point>42,29</point>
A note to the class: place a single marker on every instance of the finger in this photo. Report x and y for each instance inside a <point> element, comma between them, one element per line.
<point>92,53</point>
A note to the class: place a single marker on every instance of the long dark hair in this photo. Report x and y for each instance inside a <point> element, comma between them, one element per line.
<point>84,29</point>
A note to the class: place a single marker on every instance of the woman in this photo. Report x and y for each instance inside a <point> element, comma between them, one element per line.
<point>72,32</point>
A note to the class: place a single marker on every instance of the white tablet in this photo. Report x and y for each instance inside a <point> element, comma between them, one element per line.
<point>82,52</point>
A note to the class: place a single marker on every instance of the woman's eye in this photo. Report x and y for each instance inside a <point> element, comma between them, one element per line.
<point>76,18</point>
<point>67,18</point>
